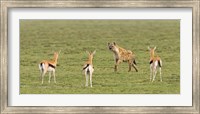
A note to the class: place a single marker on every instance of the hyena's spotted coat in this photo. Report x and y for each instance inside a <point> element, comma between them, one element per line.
<point>122,55</point>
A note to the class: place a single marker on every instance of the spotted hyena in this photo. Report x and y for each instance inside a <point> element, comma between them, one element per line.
<point>122,55</point>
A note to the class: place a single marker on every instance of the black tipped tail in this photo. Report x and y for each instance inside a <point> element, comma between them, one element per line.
<point>41,67</point>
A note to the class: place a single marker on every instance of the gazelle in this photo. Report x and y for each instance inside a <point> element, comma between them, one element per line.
<point>88,68</point>
<point>50,66</point>
<point>155,63</point>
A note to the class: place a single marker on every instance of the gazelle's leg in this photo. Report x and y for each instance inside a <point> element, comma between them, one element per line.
<point>40,75</point>
<point>86,78</point>
<point>49,76</point>
<point>44,72</point>
<point>54,76</point>
<point>151,72</point>
<point>160,75</point>
<point>154,74</point>
<point>41,70</point>
<point>90,79</point>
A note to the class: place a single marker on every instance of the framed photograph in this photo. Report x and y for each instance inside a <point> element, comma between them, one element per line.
<point>100,56</point>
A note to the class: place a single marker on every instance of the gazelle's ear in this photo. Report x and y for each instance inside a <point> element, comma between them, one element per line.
<point>93,52</point>
<point>87,52</point>
<point>114,43</point>
<point>155,48</point>
<point>59,52</point>
<point>149,48</point>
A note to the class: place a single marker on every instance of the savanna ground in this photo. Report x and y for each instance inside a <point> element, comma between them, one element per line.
<point>40,38</point>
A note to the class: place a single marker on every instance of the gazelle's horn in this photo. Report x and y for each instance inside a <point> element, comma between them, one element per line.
<point>149,48</point>
<point>59,52</point>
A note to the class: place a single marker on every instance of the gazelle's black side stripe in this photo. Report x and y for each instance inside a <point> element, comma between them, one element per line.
<point>52,65</point>
<point>86,66</point>
<point>151,62</point>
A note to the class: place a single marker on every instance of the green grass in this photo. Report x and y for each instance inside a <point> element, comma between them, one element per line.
<point>40,38</point>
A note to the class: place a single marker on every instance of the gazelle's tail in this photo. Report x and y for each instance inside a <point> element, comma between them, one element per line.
<point>41,67</point>
<point>160,63</point>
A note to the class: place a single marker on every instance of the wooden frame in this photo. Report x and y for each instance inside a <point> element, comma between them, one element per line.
<point>5,5</point>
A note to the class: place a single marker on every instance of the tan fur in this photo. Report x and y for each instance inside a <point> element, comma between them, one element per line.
<point>88,68</point>
<point>47,64</point>
<point>122,55</point>
<point>90,58</point>
<point>153,58</point>
<point>155,62</point>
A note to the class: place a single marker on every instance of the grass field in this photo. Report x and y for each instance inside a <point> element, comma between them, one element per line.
<point>40,38</point>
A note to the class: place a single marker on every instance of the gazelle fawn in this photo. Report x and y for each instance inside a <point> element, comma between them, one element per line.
<point>49,66</point>
<point>155,63</point>
<point>88,68</point>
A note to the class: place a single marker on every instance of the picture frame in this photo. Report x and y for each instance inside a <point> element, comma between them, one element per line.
<point>5,5</point>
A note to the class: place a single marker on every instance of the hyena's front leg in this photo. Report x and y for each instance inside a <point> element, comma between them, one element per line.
<point>129,63</point>
<point>116,64</point>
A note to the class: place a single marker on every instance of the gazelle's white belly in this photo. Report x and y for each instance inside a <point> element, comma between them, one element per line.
<point>50,69</point>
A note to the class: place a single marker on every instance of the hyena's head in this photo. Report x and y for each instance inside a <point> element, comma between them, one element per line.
<point>112,46</point>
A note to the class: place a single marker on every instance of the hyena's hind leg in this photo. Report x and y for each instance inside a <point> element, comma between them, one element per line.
<point>134,65</point>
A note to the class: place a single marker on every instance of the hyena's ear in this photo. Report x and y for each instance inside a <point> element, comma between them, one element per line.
<point>114,43</point>
<point>93,52</point>
<point>108,43</point>
<point>155,48</point>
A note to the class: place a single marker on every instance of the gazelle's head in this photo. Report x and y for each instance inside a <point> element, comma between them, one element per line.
<point>112,46</point>
<point>152,50</point>
<point>91,54</point>
<point>56,54</point>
